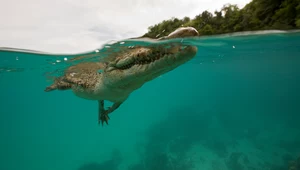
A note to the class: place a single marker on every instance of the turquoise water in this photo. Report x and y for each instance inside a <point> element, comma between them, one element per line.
<point>235,106</point>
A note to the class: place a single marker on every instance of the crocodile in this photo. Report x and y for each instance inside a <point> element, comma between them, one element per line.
<point>114,80</point>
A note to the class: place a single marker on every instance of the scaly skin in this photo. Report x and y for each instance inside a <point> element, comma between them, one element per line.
<point>124,73</point>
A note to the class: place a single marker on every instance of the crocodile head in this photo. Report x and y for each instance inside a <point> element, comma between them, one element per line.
<point>131,70</point>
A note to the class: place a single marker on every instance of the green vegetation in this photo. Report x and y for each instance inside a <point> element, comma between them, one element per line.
<point>257,15</point>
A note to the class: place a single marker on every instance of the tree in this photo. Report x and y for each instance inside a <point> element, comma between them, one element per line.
<point>286,15</point>
<point>256,15</point>
<point>207,30</point>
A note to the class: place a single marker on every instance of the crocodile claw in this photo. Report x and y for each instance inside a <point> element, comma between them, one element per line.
<point>103,118</point>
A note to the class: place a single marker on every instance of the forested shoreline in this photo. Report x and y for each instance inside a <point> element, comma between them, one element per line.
<point>256,15</point>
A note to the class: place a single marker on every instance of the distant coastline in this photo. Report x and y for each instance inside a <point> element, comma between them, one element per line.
<point>256,15</point>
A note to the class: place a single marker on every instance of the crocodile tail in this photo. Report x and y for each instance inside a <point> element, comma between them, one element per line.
<point>50,88</point>
<point>59,84</point>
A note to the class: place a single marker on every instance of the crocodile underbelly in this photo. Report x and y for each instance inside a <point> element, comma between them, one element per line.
<point>86,94</point>
<point>103,94</point>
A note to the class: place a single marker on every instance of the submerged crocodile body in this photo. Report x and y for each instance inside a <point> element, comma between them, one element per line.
<point>124,73</point>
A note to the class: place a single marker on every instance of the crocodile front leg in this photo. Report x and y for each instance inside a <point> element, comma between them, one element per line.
<point>103,114</point>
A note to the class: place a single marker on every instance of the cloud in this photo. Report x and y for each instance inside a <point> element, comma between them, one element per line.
<point>72,26</point>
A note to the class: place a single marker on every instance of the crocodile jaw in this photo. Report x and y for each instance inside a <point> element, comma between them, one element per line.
<point>134,77</point>
<point>165,64</point>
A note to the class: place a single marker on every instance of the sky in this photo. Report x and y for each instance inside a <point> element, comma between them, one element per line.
<point>75,26</point>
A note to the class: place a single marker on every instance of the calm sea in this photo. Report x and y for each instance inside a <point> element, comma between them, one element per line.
<point>235,106</point>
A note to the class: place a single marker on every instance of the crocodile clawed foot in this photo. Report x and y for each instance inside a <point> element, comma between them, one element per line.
<point>103,114</point>
<point>103,118</point>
